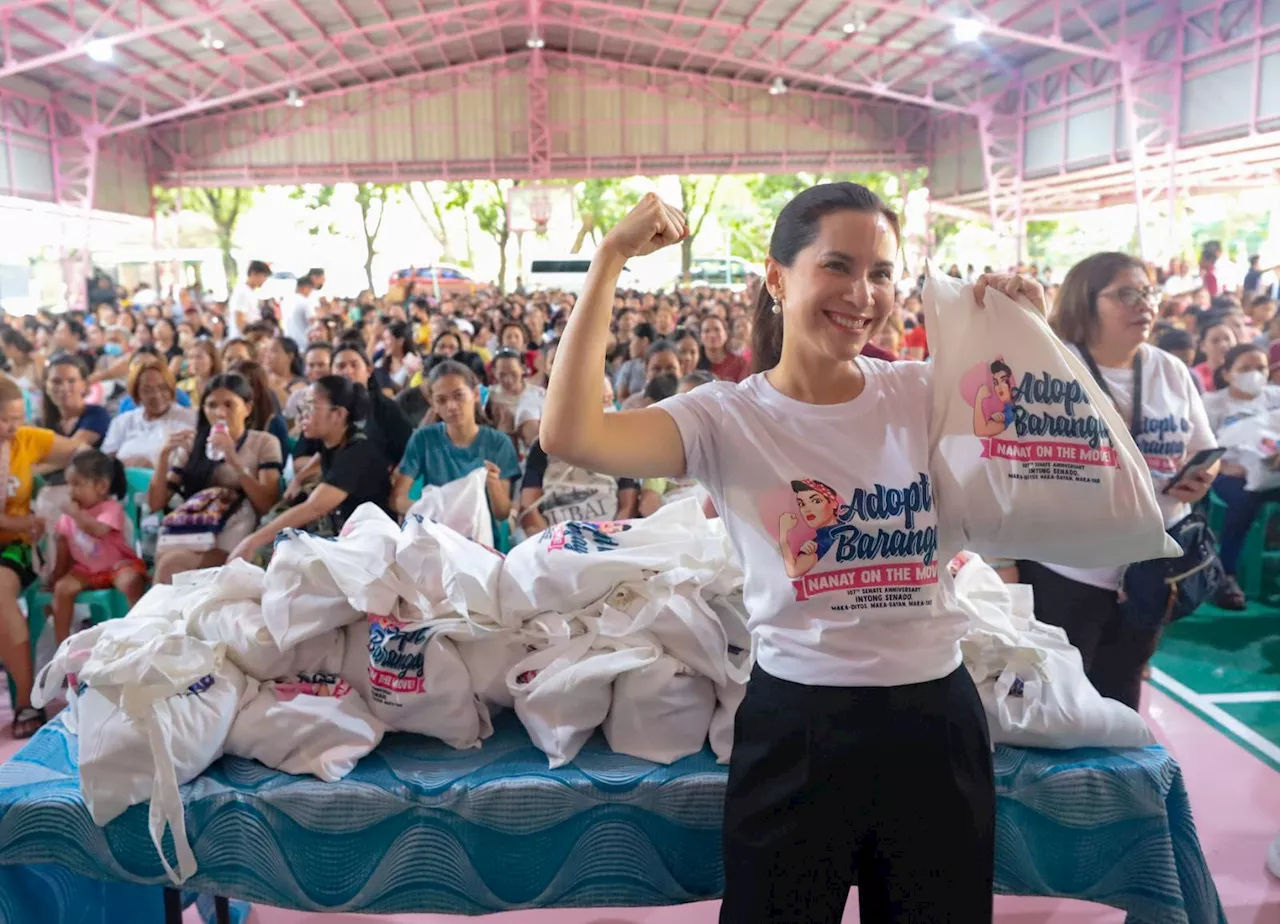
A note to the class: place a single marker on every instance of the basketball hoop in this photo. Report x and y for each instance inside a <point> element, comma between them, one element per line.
<point>539,209</point>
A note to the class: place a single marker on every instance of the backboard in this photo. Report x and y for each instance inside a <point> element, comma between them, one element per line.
<point>540,208</point>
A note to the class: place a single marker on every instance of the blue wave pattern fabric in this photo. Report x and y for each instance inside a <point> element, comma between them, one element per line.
<point>421,827</point>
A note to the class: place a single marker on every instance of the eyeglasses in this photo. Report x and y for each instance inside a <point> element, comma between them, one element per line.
<point>1131,297</point>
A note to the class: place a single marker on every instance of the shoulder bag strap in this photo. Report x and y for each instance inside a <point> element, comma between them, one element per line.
<point>1135,417</point>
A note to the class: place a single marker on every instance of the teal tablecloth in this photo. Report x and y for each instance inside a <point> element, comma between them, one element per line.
<point>421,827</point>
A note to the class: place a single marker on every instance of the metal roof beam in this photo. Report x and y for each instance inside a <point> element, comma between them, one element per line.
<point>659,40</point>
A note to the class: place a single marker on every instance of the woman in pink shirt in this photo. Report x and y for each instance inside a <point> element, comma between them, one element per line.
<point>1215,341</point>
<point>726,366</point>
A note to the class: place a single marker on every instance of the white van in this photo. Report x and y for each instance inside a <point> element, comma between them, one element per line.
<point>567,274</point>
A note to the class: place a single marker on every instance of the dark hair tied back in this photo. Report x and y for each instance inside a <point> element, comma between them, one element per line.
<point>797,228</point>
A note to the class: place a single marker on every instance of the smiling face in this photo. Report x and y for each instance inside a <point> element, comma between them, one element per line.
<point>714,335</point>
<point>1216,343</point>
<point>815,509</point>
<point>839,289</point>
<point>66,387</point>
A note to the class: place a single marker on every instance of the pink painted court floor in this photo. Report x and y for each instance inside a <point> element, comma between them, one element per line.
<point>1235,797</point>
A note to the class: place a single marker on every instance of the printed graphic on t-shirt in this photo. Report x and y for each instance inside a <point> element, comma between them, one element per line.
<point>582,537</point>
<point>1011,414</point>
<point>870,548</point>
<point>1163,442</point>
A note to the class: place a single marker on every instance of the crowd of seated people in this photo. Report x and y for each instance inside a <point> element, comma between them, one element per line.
<point>293,415</point>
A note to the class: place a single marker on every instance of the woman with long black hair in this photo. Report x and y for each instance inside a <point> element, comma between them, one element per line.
<point>353,469</point>
<point>861,749</point>
<point>222,452</point>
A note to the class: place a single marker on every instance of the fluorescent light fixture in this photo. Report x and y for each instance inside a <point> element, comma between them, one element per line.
<point>535,41</point>
<point>778,87</point>
<point>207,41</point>
<point>99,50</point>
<point>854,26</point>
<point>968,30</point>
<point>294,100</point>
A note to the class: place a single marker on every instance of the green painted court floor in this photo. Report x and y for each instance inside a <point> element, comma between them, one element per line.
<point>1226,667</point>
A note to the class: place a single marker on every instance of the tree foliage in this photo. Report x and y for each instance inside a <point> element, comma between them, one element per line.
<point>318,201</point>
<point>224,207</point>
<point>602,203</point>
<point>697,196</point>
<point>488,201</point>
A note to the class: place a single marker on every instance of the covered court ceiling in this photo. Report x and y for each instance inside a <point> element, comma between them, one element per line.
<point>1006,100</point>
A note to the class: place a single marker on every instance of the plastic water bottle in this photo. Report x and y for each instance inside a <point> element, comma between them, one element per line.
<point>215,455</point>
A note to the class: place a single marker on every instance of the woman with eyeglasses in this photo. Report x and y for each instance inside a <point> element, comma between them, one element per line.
<point>1106,311</point>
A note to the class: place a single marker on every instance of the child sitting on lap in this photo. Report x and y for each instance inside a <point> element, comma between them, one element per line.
<point>93,546</point>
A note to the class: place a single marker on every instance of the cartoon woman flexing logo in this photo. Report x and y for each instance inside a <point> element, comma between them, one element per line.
<point>818,504</point>
<point>1001,420</point>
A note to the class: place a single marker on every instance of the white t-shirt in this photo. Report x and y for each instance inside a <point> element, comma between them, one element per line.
<point>297,317</point>
<point>866,598</point>
<point>530,405</point>
<point>244,300</point>
<point>1173,428</point>
<point>131,435</point>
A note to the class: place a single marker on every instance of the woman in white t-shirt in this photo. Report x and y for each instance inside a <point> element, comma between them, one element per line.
<point>861,748</point>
<point>1105,311</point>
<point>1242,393</point>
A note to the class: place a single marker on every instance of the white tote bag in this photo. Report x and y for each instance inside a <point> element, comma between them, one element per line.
<point>729,697</point>
<point>660,712</point>
<point>149,723</point>
<point>457,576</point>
<point>1029,457</point>
<point>563,693</point>
<point>462,505</point>
<point>301,597</point>
<point>1255,441</point>
<point>411,676</point>
<point>669,608</point>
<point>313,723</point>
<point>488,659</point>
<point>574,565</point>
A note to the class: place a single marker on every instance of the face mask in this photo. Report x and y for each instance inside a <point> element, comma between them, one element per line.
<point>1251,382</point>
<point>113,349</point>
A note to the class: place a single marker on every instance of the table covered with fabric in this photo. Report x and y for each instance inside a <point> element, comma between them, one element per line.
<point>420,827</point>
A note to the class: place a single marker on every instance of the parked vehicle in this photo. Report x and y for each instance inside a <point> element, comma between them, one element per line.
<point>568,274</point>
<point>451,280</point>
<point>729,273</point>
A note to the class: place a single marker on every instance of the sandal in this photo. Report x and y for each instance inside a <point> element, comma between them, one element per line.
<point>1230,596</point>
<point>27,722</point>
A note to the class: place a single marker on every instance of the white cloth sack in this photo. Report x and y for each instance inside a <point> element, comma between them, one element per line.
<point>1254,440</point>
<point>316,585</point>
<point>455,575</point>
<point>573,565</point>
<point>1063,457</point>
<point>488,659</point>
<point>660,712</point>
<point>150,719</point>
<point>413,679</point>
<point>729,697</point>
<point>669,608</point>
<point>221,605</point>
<point>313,723</point>
<point>563,693</point>
<point>461,505</point>
<point>1030,678</point>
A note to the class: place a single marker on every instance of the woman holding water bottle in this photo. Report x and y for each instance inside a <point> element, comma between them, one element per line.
<point>222,452</point>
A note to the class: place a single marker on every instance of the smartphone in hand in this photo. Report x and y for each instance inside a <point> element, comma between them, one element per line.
<point>1202,460</point>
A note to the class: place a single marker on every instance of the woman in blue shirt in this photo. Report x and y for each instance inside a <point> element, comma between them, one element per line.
<point>457,445</point>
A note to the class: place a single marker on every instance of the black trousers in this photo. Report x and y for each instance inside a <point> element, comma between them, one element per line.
<point>891,788</point>
<point>1114,651</point>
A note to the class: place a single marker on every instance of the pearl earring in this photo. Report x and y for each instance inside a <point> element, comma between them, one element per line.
<point>777,307</point>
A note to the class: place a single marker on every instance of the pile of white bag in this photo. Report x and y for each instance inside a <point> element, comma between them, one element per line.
<point>636,627</point>
<point>1031,679</point>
